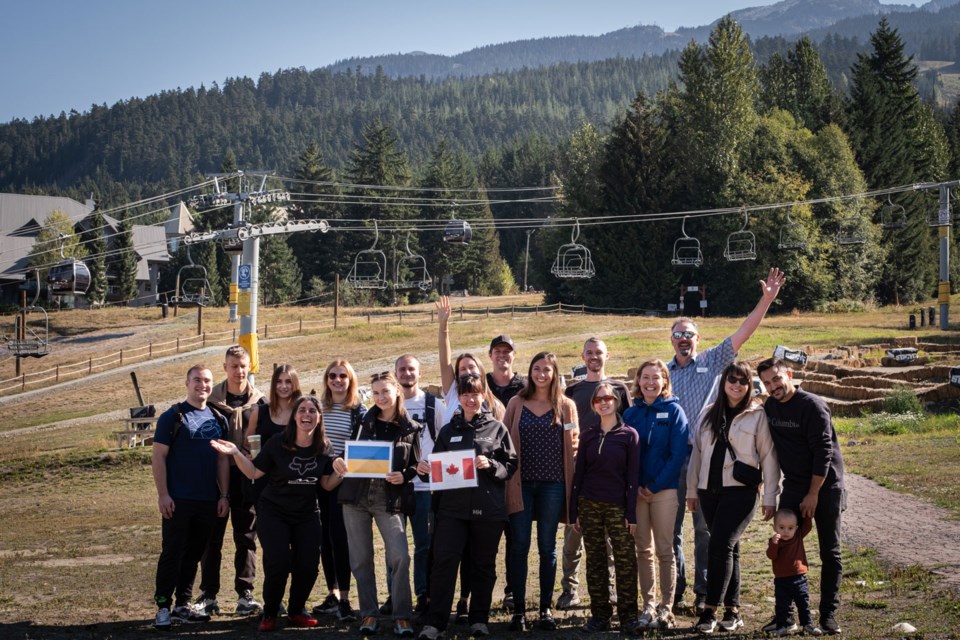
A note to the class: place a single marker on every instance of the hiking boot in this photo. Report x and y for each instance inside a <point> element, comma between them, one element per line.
<point>369,624</point>
<point>812,630</point>
<point>267,624</point>
<point>519,623</point>
<point>546,621</point>
<point>596,625</point>
<point>162,621</point>
<point>386,609</point>
<point>787,630</point>
<point>186,613</point>
<point>206,604</point>
<point>665,619</point>
<point>302,619</point>
<point>707,622</point>
<point>403,628</point>
<point>731,620</point>
<point>329,606</point>
<point>463,612</point>
<point>771,626</point>
<point>429,633</point>
<point>345,611</point>
<point>479,630</point>
<point>568,600</point>
<point>247,604</point>
<point>829,626</point>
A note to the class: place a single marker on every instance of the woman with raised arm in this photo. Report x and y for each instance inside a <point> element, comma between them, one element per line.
<point>543,426</point>
<point>342,413</point>
<point>385,501</point>
<point>733,432</point>
<point>288,522</point>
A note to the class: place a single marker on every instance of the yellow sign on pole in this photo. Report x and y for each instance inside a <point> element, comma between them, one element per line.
<point>243,303</point>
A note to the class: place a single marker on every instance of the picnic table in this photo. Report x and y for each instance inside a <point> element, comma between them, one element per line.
<point>137,432</point>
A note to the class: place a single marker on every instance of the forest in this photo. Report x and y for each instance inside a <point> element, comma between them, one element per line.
<point>724,130</point>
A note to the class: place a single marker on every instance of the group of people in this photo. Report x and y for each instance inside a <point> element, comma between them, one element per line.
<point>618,466</point>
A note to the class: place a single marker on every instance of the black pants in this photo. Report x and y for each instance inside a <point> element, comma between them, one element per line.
<point>334,548</point>
<point>830,505</point>
<point>184,536</point>
<point>789,591</point>
<point>727,513</point>
<point>291,547</point>
<point>243,519</point>
<point>474,543</point>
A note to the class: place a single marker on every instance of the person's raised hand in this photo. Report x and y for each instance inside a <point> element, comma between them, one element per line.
<point>770,287</point>
<point>443,308</point>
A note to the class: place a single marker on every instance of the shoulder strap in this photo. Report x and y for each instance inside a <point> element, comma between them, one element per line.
<point>179,421</point>
<point>429,412</point>
<point>724,433</point>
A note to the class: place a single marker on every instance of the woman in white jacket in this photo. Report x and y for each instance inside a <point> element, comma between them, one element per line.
<point>733,460</point>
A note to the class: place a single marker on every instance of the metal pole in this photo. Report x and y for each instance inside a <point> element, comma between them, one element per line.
<point>235,263</point>
<point>526,260</point>
<point>944,233</point>
<point>248,323</point>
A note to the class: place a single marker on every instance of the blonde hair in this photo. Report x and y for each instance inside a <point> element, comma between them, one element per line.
<point>352,400</point>
<point>659,364</point>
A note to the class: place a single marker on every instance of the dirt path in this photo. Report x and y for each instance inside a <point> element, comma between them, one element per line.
<point>902,528</point>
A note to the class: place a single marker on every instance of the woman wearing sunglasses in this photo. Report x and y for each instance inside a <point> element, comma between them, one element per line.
<point>662,426</point>
<point>733,433</point>
<point>385,501</point>
<point>603,505</point>
<point>543,426</point>
<point>342,413</point>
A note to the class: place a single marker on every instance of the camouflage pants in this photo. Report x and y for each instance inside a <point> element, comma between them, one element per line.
<point>597,521</point>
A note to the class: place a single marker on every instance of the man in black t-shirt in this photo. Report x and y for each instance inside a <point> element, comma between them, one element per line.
<point>809,455</point>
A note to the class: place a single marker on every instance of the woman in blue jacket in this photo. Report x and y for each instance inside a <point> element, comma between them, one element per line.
<point>662,427</point>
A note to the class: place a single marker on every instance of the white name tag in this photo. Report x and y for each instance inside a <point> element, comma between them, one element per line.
<point>702,369</point>
<point>662,415</point>
<point>456,439</point>
<point>569,426</point>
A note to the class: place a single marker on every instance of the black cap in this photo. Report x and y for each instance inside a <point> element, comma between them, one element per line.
<point>502,340</point>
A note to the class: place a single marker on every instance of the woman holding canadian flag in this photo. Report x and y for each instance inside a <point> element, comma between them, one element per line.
<point>471,510</point>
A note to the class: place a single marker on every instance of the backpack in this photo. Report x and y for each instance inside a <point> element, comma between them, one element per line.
<point>222,419</point>
<point>429,413</point>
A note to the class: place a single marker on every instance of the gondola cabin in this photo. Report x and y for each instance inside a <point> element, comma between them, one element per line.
<point>68,278</point>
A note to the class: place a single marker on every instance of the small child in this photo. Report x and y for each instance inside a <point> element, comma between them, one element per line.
<point>790,572</point>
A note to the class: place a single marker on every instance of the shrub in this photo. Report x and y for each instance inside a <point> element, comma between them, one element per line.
<point>902,400</point>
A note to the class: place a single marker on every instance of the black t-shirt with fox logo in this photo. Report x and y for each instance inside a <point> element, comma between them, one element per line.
<point>292,477</point>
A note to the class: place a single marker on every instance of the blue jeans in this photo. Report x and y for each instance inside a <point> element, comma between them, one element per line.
<point>422,523</point>
<point>701,542</point>
<point>543,502</point>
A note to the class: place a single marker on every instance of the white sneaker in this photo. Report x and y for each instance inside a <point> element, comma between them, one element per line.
<point>247,604</point>
<point>647,619</point>
<point>479,630</point>
<point>162,621</point>
<point>186,613</point>
<point>206,605</point>
<point>665,618</point>
<point>789,630</point>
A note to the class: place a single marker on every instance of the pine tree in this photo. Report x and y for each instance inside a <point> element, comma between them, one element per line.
<point>126,262</point>
<point>318,255</point>
<point>97,263</point>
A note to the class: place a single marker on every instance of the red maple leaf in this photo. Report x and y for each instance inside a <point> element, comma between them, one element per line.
<point>453,469</point>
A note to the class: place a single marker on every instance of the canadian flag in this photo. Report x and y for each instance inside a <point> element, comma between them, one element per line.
<point>452,470</point>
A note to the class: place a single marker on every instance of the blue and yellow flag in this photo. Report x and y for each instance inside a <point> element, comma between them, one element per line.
<point>368,458</point>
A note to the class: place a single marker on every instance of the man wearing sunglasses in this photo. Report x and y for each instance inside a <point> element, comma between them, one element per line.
<point>694,377</point>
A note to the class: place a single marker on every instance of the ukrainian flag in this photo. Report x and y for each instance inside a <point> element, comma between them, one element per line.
<point>369,459</point>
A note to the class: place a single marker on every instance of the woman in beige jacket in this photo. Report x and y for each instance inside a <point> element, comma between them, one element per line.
<point>732,432</point>
<point>543,426</point>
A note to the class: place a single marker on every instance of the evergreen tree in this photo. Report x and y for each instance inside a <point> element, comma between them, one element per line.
<point>126,262</point>
<point>97,263</point>
<point>799,84</point>
<point>319,255</point>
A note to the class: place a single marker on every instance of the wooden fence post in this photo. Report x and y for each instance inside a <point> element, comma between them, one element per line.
<point>150,352</point>
<point>301,325</point>
<point>58,373</point>
<point>121,357</point>
<point>90,366</point>
<point>178,345</point>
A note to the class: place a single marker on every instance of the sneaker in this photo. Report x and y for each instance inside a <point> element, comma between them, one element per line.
<point>479,630</point>
<point>731,620</point>
<point>632,628</point>
<point>463,615</point>
<point>787,630</point>
<point>596,625</point>
<point>267,623</point>
<point>829,626</point>
<point>707,622</point>
<point>546,621</point>
<point>302,620</point>
<point>812,630</point>
<point>679,604</point>
<point>328,607</point>
<point>206,604</point>
<point>771,626</point>
<point>247,604</point>
<point>369,624</point>
<point>429,633</point>
<point>699,603</point>
<point>403,628</point>
<point>345,611</point>
<point>282,610</point>
<point>386,609</point>
<point>162,621</point>
<point>648,619</point>
<point>519,623</point>
<point>665,618</point>
<point>186,613</point>
<point>508,602</point>
<point>568,600</point>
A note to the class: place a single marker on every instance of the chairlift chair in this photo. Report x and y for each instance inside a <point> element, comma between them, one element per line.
<point>893,216</point>
<point>742,244</point>
<point>369,267</point>
<point>34,342</point>
<point>193,291</point>
<point>412,268</point>
<point>793,237</point>
<point>851,232</point>
<point>686,250</point>
<point>573,259</point>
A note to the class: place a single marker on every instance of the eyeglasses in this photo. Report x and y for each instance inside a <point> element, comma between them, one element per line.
<point>337,376</point>
<point>469,376</point>
<point>679,335</point>
<point>603,399</point>
<point>732,379</point>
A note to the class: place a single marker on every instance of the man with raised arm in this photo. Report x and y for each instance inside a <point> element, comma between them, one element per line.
<point>694,377</point>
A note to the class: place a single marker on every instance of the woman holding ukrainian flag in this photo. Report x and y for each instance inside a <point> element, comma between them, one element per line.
<point>470,518</point>
<point>383,494</point>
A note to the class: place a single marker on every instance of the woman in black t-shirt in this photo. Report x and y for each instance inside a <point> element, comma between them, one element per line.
<point>288,518</point>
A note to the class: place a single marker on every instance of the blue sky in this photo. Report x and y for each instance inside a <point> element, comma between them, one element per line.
<point>60,55</point>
